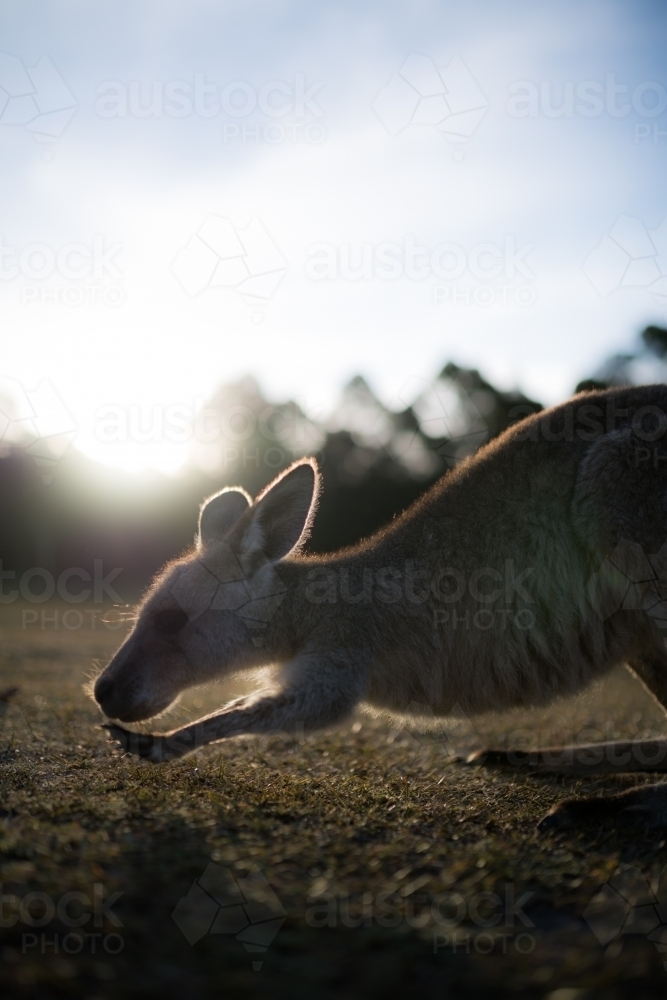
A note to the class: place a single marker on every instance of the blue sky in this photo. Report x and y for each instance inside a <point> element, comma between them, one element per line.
<point>303,129</point>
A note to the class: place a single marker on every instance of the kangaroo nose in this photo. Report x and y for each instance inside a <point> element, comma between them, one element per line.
<point>103,689</point>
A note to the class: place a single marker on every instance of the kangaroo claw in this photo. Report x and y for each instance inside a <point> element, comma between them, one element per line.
<point>143,745</point>
<point>488,758</point>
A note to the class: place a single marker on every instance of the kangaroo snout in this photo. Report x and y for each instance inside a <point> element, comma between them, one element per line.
<point>103,691</point>
<point>141,680</point>
<point>113,701</point>
<point>121,700</point>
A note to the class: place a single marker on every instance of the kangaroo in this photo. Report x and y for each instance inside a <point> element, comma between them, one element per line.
<point>524,574</point>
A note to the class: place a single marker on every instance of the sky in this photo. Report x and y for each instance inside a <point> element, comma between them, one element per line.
<point>305,191</point>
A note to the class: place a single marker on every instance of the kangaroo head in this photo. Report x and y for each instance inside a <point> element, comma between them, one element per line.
<point>204,615</point>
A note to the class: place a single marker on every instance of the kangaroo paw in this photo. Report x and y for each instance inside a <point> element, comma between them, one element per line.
<point>489,758</point>
<point>144,745</point>
<point>647,805</point>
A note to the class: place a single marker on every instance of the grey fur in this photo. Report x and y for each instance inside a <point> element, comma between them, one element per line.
<point>498,588</point>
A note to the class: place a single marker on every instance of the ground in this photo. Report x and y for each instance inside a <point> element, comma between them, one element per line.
<point>389,869</point>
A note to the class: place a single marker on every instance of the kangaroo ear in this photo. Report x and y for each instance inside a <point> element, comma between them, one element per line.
<point>220,513</point>
<point>282,515</point>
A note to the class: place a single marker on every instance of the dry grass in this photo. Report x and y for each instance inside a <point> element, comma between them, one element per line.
<point>332,822</point>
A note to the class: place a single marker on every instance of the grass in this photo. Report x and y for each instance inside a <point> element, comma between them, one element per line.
<point>391,863</point>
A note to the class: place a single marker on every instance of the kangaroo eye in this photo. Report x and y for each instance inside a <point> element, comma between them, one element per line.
<point>170,621</point>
